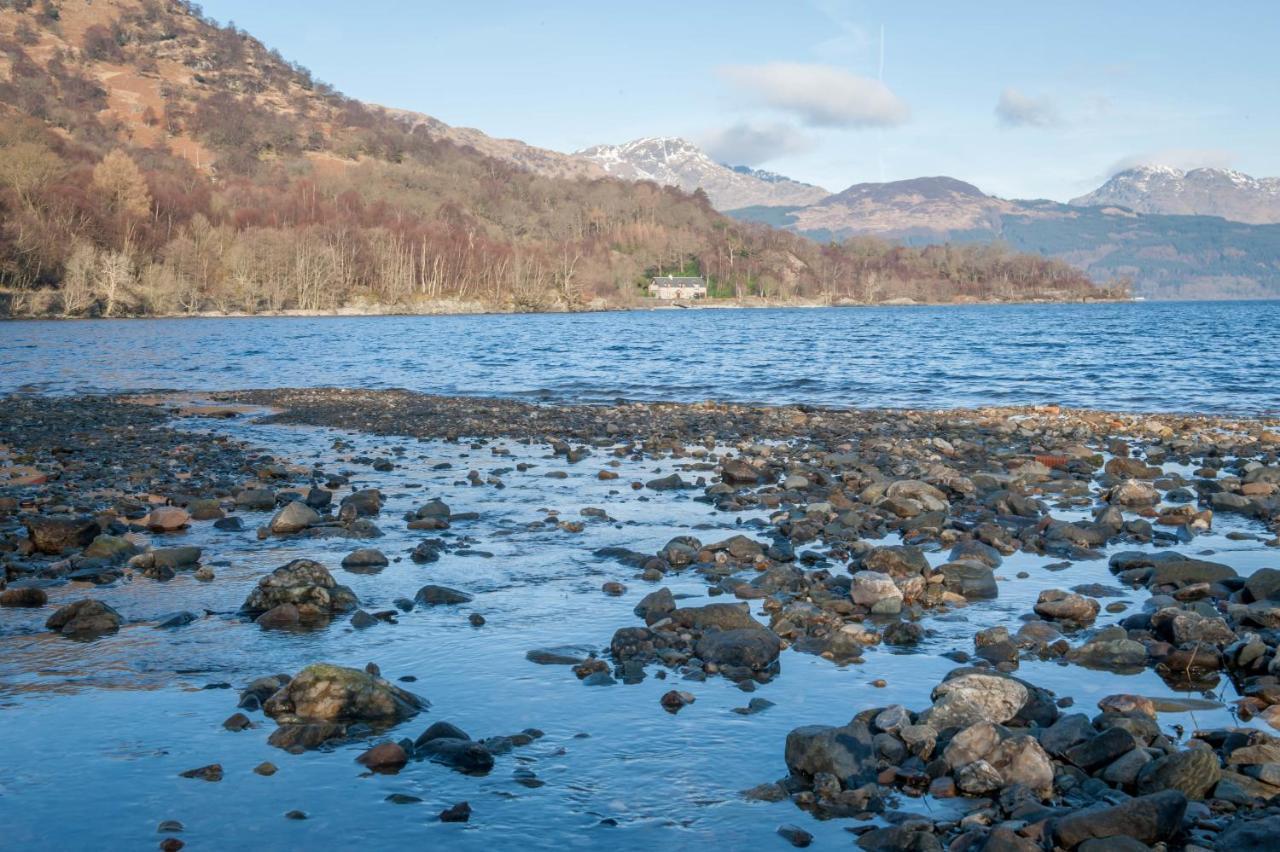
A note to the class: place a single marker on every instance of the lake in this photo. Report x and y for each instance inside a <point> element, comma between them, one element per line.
<point>1215,357</point>
<point>98,731</point>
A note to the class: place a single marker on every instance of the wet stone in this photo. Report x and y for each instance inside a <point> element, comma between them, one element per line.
<point>460,812</point>
<point>85,619</point>
<point>432,595</point>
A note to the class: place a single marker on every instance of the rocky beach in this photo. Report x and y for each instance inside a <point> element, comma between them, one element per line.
<point>1004,628</point>
<point>395,456</point>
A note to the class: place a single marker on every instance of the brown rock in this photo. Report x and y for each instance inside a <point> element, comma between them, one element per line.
<point>675,700</point>
<point>237,722</point>
<point>55,533</point>
<point>323,692</point>
<point>1193,771</point>
<point>167,519</point>
<point>301,737</point>
<point>1057,605</point>
<point>24,596</point>
<point>84,618</point>
<point>279,618</point>
<point>1123,704</point>
<point>212,772</point>
<point>384,757</point>
<point>461,812</point>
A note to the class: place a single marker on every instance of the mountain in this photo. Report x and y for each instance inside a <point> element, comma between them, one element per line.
<point>670,161</point>
<point>905,207</point>
<point>153,161</point>
<point>1199,192</point>
<point>541,161</point>
<point>1165,256</point>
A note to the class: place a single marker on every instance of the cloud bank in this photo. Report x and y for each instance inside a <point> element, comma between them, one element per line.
<point>819,95</point>
<point>1017,109</point>
<point>747,144</point>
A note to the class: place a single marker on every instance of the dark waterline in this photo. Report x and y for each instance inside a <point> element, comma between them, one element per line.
<point>1212,357</point>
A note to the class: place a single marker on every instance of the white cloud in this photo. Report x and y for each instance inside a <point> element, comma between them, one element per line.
<point>1178,158</point>
<point>1017,109</point>
<point>820,95</point>
<point>747,144</point>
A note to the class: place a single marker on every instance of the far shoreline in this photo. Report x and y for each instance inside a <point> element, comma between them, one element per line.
<point>475,309</point>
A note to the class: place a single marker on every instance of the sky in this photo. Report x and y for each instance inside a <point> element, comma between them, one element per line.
<point>1025,100</point>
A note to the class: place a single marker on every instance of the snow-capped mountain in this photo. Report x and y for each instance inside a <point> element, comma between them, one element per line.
<point>677,162</point>
<point>1207,192</point>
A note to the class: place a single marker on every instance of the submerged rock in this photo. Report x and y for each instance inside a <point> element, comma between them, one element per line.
<point>432,595</point>
<point>450,745</point>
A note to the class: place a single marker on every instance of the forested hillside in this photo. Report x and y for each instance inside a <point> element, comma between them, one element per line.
<point>155,162</point>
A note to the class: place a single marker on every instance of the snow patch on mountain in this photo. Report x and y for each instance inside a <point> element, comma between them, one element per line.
<point>1205,192</point>
<point>672,161</point>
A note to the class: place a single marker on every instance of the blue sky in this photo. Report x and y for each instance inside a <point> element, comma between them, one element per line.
<point>1022,99</point>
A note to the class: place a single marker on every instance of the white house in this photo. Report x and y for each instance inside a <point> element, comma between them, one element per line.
<point>671,287</point>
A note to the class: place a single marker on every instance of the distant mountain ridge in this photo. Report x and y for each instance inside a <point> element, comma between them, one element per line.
<point>1166,255</point>
<point>919,205</point>
<point>671,161</point>
<point>1198,192</point>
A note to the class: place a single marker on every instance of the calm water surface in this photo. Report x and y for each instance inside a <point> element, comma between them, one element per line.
<point>1173,356</point>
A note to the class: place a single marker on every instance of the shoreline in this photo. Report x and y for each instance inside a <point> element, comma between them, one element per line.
<point>474,309</point>
<point>425,415</point>
<point>313,399</point>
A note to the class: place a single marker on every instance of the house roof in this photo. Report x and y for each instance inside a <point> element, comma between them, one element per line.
<point>672,281</point>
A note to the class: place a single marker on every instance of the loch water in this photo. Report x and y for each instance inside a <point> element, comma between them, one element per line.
<point>96,733</point>
<point>1217,357</point>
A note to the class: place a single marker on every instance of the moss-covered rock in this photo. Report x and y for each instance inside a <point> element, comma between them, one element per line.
<point>323,692</point>
<point>302,582</point>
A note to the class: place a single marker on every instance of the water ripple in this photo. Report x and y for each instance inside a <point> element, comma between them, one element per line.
<point>1182,356</point>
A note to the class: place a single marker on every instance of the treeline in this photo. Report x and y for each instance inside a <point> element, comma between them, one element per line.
<point>316,202</point>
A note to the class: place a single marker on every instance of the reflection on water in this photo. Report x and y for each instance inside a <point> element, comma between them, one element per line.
<point>1180,356</point>
<point>98,732</point>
